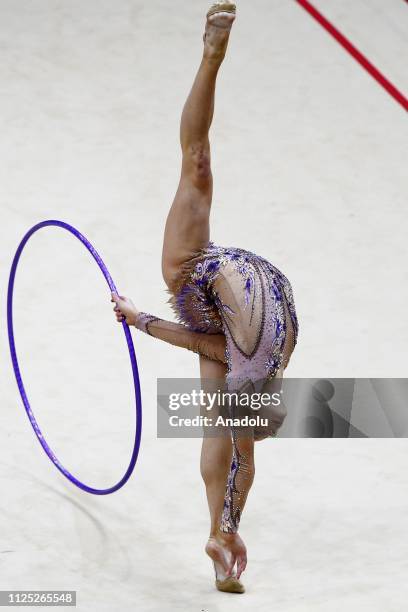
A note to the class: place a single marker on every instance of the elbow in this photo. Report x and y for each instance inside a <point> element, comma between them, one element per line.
<point>213,347</point>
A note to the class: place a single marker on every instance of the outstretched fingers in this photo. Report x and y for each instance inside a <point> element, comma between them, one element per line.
<point>231,564</point>
<point>241,564</point>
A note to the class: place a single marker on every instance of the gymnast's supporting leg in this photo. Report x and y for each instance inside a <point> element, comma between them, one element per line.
<point>187,226</point>
<point>216,454</point>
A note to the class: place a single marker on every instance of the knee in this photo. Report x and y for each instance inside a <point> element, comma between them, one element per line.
<point>213,474</point>
<point>212,346</point>
<point>215,461</point>
<point>197,161</point>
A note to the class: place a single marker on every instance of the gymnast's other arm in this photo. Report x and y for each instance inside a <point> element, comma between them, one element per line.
<point>211,346</point>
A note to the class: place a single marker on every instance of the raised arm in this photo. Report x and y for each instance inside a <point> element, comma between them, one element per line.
<point>211,346</point>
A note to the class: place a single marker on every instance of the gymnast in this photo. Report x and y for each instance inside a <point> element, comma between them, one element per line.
<point>235,310</point>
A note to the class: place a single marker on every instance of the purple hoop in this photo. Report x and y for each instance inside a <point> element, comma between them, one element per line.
<point>19,379</point>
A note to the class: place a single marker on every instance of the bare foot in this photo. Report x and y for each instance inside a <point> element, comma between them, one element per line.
<point>222,558</point>
<point>226,550</point>
<point>216,34</point>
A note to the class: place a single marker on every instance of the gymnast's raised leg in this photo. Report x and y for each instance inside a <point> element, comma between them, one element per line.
<point>187,227</point>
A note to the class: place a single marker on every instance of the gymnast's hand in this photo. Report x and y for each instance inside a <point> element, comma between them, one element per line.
<point>235,545</point>
<point>124,309</point>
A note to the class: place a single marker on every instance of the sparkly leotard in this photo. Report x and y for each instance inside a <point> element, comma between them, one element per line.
<point>243,295</point>
<point>233,293</point>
